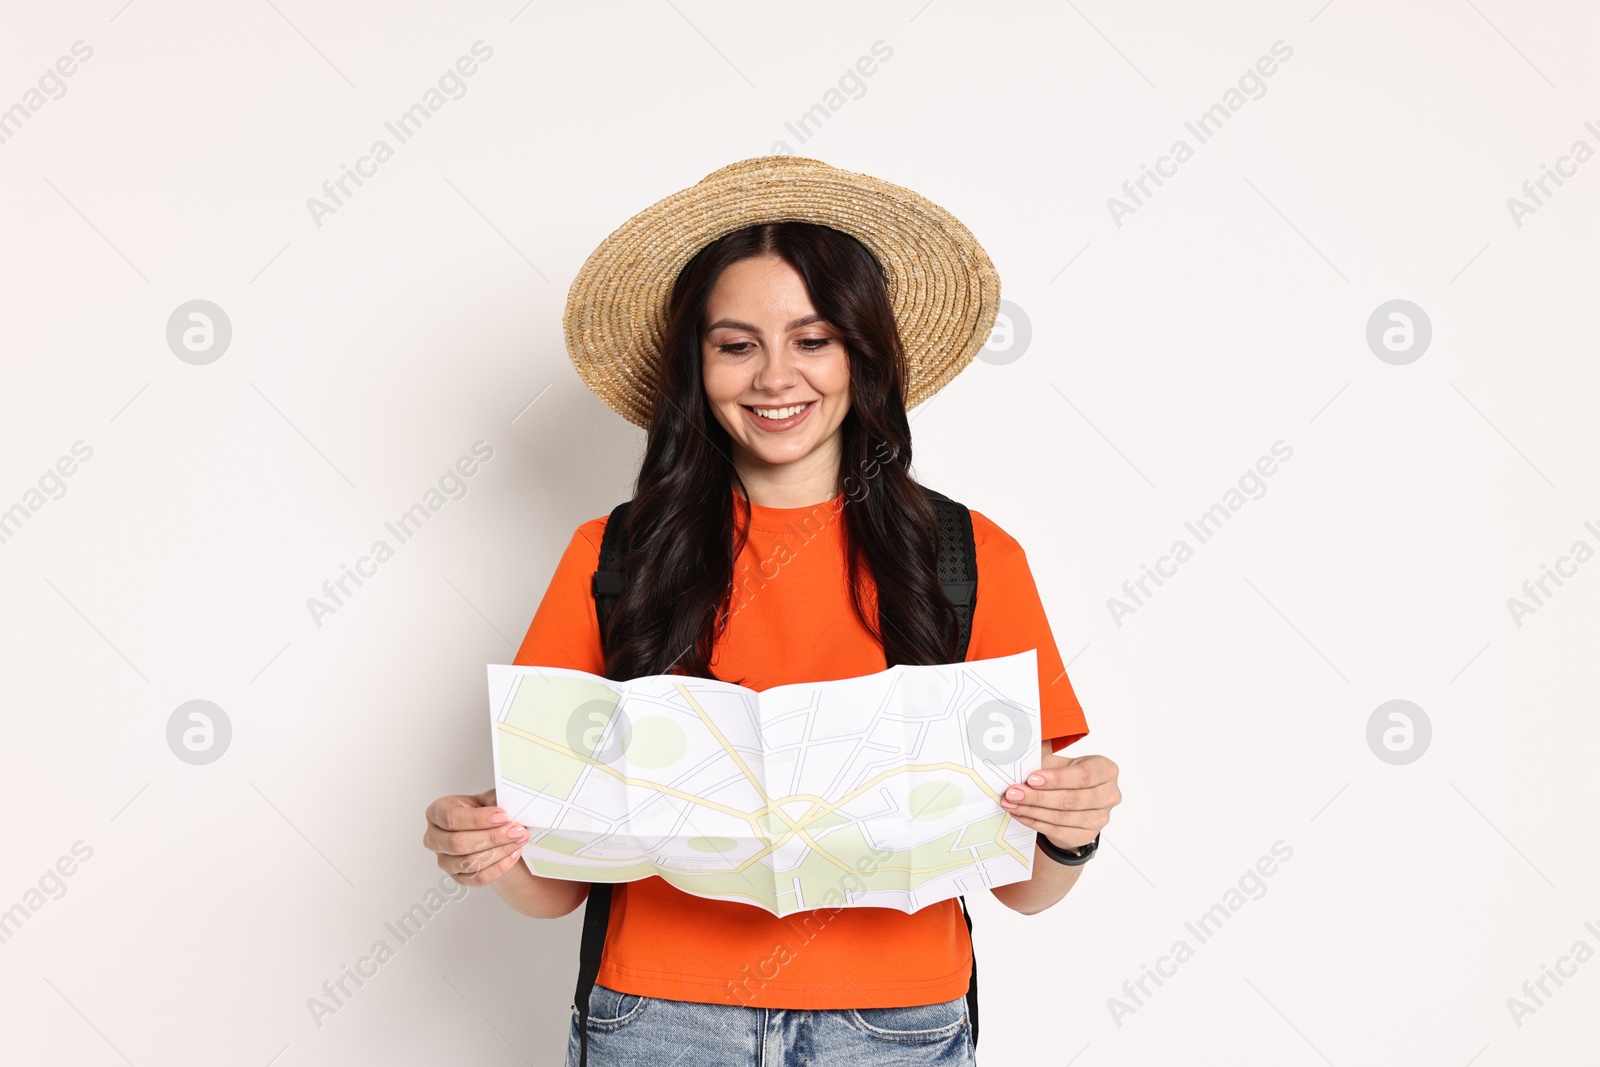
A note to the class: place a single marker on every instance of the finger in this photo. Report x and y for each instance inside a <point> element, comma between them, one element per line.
<point>1059,802</point>
<point>1092,819</point>
<point>492,872</point>
<point>1099,796</point>
<point>470,842</point>
<point>465,813</point>
<point>481,861</point>
<point>1082,772</point>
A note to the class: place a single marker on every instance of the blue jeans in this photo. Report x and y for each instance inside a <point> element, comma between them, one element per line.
<point>628,1030</point>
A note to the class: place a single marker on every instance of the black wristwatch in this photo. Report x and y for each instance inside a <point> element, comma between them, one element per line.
<point>1062,856</point>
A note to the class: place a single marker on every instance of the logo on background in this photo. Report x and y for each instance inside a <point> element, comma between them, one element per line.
<point>1399,332</point>
<point>199,332</point>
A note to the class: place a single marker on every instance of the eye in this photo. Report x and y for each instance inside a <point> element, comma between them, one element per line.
<point>808,344</point>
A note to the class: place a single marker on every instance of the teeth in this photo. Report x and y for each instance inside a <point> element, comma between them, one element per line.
<point>780,413</point>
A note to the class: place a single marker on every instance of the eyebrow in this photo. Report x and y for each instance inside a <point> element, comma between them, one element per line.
<point>735,324</point>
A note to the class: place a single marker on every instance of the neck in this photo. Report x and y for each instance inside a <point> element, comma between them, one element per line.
<point>812,479</point>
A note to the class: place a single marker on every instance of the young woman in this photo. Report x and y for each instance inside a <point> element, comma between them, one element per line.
<point>770,326</point>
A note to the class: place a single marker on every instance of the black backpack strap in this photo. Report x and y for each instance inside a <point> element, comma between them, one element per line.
<point>607,584</point>
<point>958,573</point>
<point>958,562</point>
<point>596,915</point>
<point>972,983</point>
<point>609,581</point>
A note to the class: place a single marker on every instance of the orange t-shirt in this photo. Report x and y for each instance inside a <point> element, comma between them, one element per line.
<point>792,622</point>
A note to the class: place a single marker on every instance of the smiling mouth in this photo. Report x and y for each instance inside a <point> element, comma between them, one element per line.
<point>778,414</point>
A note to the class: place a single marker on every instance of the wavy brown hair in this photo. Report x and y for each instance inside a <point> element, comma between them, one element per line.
<point>682,541</point>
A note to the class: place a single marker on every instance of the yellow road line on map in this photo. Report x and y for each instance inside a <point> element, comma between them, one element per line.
<point>723,741</point>
<point>762,793</point>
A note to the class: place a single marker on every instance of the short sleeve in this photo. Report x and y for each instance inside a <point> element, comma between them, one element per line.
<point>1010,618</point>
<point>565,631</point>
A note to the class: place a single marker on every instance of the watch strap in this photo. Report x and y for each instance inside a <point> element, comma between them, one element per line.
<point>1062,856</point>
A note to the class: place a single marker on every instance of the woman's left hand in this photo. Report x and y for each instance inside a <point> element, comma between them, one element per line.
<point>1068,799</point>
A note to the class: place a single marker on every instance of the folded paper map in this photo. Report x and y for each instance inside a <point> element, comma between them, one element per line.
<point>879,791</point>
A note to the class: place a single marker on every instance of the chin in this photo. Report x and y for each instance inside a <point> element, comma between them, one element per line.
<point>778,456</point>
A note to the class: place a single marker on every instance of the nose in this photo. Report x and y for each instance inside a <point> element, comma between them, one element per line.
<point>776,370</point>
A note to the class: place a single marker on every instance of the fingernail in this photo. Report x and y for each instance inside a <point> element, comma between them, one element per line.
<point>1036,779</point>
<point>498,817</point>
<point>1014,793</point>
<point>518,833</point>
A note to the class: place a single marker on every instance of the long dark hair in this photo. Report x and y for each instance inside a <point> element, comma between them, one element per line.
<point>681,525</point>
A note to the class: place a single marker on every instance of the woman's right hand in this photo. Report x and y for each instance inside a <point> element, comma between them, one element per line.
<point>475,841</point>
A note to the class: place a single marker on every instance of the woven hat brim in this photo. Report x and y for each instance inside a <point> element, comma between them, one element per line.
<point>943,288</point>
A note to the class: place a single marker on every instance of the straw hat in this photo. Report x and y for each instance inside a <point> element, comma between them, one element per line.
<point>943,288</point>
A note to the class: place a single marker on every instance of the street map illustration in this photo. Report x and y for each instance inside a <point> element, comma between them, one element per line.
<point>878,791</point>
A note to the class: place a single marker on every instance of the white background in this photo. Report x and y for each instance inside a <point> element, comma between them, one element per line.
<point>1168,353</point>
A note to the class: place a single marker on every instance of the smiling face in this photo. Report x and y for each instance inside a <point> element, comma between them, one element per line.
<point>764,349</point>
